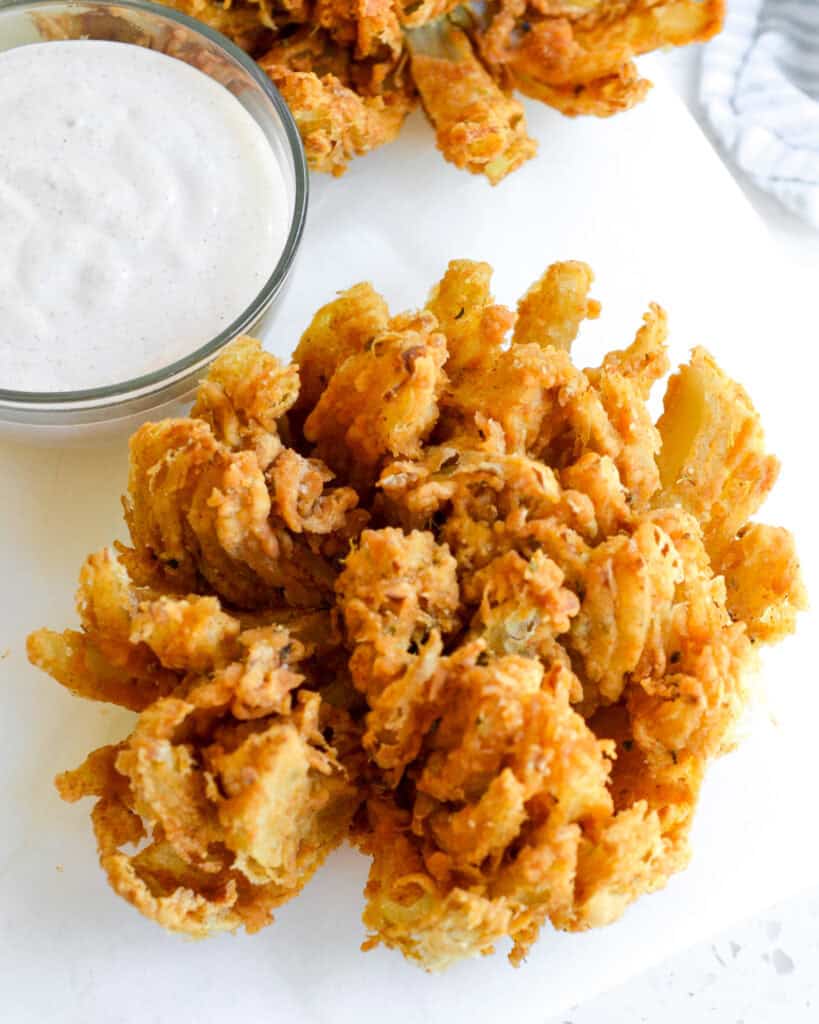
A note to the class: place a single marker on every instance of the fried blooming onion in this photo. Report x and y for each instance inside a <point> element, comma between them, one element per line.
<point>351,71</point>
<point>436,589</point>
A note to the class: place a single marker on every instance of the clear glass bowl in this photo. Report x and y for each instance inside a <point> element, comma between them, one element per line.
<point>78,415</point>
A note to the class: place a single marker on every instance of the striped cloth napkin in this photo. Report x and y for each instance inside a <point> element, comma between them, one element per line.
<point>760,91</point>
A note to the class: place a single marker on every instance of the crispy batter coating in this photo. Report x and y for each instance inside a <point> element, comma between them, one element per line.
<point>77,664</point>
<point>762,580</point>
<point>477,125</point>
<point>335,122</point>
<point>475,326</point>
<point>237,815</point>
<point>645,361</point>
<point>370,28</point>
<point>350,70</point>
<point>490,844</point>
<point>218,502</point>
<point>505,690</point>
<point>713,461</point>
<point>310,49</point>
<point>554,51</point>
<point>382,401</point>
<point>340,329</point>
<point>243,397</point>
<point>551,312</point>
<point>200,517</point>
<point>246,22</point>
<point>629,587</point>
<point>227,771</point>
<point>603,97</point>
<point>398,594</point>
<point>544,405</point>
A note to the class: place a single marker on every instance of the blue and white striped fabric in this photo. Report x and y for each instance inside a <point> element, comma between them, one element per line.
<point>760,90</point>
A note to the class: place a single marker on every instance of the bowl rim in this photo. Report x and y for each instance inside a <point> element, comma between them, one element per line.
<point>157,380</point>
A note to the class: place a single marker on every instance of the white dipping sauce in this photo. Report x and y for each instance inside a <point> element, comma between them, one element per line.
<point>141,211</point>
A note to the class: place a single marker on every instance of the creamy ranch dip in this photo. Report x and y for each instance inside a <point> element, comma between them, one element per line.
<point>141,211</point>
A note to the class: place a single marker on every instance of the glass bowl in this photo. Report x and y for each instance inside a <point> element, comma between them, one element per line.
<point>100,411</point>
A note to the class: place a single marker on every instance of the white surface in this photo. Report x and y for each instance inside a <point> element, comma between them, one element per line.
<point>637,196</point>
<point>762,972</point>
<point>142,210</point>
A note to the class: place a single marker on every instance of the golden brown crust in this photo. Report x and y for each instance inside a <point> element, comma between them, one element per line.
<point>339,329</point>
<point>762,580</point>
<point>561,52</point>
<point>475,327</point>
<point>230,777</point>
<point>506,689</point>
<point>204,515</point>
<point>350,69</point>
<point>477,125</point>
<point>712,462</point>
<point>551,312</point>
<point>335,122</point>
<point>381,402</point>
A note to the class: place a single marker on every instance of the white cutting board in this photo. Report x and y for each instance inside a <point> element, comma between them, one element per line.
<point>642,198</point>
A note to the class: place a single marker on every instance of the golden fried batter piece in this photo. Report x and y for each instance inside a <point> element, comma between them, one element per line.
<point>669,787</point>
<point>243,397</point>
<point>533,384</point>
<point>372,28</point>
<point>442,885</point>
<point>523,605</point>
<point>551,312</point>
<point>339,329</point>
<point>218,502</point>
<point>405,907</point>
<point>712,462</point>
<point>245,22</point>
<point>79,665</point>
<point>638,440</point>
<point>490,502</point>
<point>693,710</point>
<point>227,772</point>
<point>489,763</point>
<point>381,402</point>
<point>506,689</point>
<point>398,594</point>
<point>310,50</point>
<point>395,590</point>
<point>299,495</point>
<point>335,122</point>
<point>629,587</point>
<point>596,477</point>
<point>103,662</point>
<point>763,584</point>
<point>200,515</point>
<point>543,403</point>
<point>645,360</point>
<point>539,51</point>
<point>477,125</point>
<point>603,97</point>
<point>420,12</point>
<point>239,816</point>
<point>629,28</point>
<point>474,325</point>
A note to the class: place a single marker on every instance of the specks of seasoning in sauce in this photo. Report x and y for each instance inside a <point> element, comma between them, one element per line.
<point>160,221</point>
